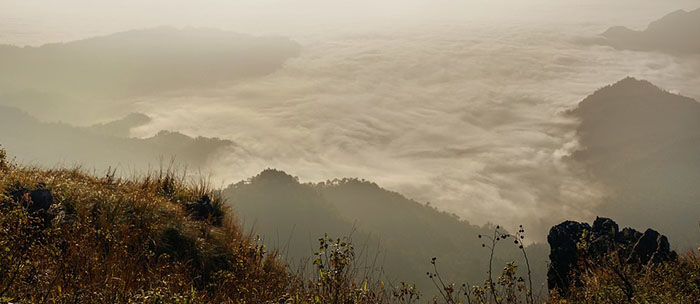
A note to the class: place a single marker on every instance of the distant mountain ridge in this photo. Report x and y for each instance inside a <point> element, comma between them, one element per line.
<point>50,144</point>
<point>143,61</point>
<point>677,32</point>
<point>121,127</point>
<point>100,72</point>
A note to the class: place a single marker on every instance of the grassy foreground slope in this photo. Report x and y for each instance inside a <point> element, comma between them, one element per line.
<point>68,237</point>
<point>108,240</point>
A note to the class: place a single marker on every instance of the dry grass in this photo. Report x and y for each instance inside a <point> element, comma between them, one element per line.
<point>611,282</point>
<point>139,240</point>
<point>115,240</point>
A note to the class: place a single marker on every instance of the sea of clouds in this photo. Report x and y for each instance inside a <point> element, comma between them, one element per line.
<point>466,118</point>
<point>463,112</point>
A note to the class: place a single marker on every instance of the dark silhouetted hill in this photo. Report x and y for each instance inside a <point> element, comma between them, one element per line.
<point>677,32</point>
<point>644,144</point>
<point>277,206</point>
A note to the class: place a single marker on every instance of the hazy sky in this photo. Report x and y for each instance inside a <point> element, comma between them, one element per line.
<point>35,22</point>
<point>453,102</point>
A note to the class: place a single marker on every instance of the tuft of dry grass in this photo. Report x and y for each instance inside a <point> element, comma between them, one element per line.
<point>611,282</point>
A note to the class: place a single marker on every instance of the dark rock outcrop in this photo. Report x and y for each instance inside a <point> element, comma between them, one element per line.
<point>574,246</point>
<point>201,209</point>
<point>651,247</point>
<point>563,240</point>
<point>38,202</point>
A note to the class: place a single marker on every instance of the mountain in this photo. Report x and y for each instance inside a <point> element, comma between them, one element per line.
<point>45,80</point>
<point>50,144</point>
<point>403,235</point>
<point>677,32</point>
<point>278,207</point>
<point>643,143</point>
<point>121,127</point>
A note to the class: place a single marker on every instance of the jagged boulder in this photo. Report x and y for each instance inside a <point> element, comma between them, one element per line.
<point>574,246</point>
<point>651,247</point>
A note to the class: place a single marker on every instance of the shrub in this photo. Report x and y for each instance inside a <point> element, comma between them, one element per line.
<point>508,287</point>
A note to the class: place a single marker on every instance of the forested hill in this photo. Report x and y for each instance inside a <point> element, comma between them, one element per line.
<point>643,143</point>
<point>292,215</point>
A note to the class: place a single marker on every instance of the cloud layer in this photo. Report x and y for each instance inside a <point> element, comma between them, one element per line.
<point>459,111</point>
<point>464,117</point>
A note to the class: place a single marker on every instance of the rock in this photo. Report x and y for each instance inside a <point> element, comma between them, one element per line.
<point>563,240</point>
<point>42,200</point>
<point>651,247</point>
<point>628,236</point>
<point>38,201</point>
<point>574,245</point>
<point>603,236</point>
<point>201,209</point>
<point>605,226</point>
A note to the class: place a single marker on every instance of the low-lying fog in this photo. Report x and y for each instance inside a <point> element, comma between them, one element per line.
<point>453,102</point>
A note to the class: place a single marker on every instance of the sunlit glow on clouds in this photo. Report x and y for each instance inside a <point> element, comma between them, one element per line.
<point>464,113</point>
<point>470,122</point>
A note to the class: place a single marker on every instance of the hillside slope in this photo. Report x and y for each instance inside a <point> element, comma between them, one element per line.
<point>644,144</point>
<point>69,237</point>
<point>290,214</point>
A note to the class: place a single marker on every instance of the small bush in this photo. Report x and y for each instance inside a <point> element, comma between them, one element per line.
<point>508,287</point>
